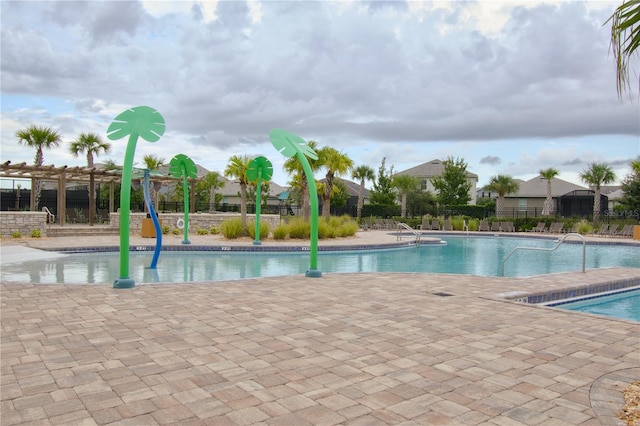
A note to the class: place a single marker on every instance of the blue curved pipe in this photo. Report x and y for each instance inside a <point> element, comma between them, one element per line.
<point>154,217</point>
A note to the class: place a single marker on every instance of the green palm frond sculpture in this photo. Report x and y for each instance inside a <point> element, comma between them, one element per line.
<point>147,123</point>
<point>183,166</point>
<point>260,169</point>
<point>289,145</point>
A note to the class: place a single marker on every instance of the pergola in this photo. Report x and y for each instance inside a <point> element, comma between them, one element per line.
<point>64,174</point>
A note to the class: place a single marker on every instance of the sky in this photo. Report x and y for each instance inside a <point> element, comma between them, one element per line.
<point>510,87</point>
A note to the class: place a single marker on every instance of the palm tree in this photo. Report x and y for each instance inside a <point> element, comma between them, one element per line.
<point>502,185</point>
<point>336,164</point>
<point>237,168</point>
<point>625,39</point>
<point>260,169</point>
<point>147,123</point>
<point>548,174</point>
<point>183,166</point>
<point>404,184</point>
<point>363,173</point>
<point>89,144</point>
<point>153,162</point>
<point>294,167</point>
<point>38,137</point>
<point>596,175</point>
<point>213,182</point>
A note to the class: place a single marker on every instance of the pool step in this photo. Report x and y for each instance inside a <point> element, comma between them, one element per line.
<point>81,231</point>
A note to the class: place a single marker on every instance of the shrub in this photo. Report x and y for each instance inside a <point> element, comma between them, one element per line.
<point>348,229</point>
<point>177,231</point>
<point>281,232</point>
<point>36,233</point>
<point>232,228</point>
<point>326,230</point>
<point>457,223</point>
<point>202,231</point>
<point>473,224</point>
<point>165,229</point>
<point>298,228</point>
<point>264,229</point>
<point>584,227</point>
<point>16,234</point>
<point>214,230</point>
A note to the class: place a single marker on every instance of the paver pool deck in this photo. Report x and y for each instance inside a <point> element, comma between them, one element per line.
<point>357,349</point>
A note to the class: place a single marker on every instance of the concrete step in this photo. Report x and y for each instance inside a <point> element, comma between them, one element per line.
<point>81,231</point>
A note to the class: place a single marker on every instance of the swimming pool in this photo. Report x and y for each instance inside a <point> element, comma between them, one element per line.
<point>460,255</point>
<point>624,304</point>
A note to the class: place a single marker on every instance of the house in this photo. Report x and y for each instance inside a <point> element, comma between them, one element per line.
<point>353,190</point>
<point>427,171</point>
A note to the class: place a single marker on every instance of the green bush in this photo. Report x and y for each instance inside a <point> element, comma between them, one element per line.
<point>165,229</point>
<point>584,227</point>
<point>281,232</point>
<point>177,231</point>
<point>348,229</point>
<point>300,229</point>
<point>473,224</point>
<point>202,231</point>
<point>264,229</point>
<point>232,228</point>
<point>326,230</point>
<point>16,234</point>
<point>36,233</point>
<point>214,230</point>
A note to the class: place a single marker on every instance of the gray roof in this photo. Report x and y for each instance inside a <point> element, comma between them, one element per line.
<point>537,187</point>
<point>430,169</point>
<point>353,189</point>
<point>232,188</point>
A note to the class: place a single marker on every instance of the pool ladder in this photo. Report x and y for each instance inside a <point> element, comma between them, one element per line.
<point>584,249</point>
<point>402,225</point>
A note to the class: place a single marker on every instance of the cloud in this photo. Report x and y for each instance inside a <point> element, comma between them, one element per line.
<point>491,160</point>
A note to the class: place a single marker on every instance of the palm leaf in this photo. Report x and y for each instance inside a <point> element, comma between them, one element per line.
<point>259,167</point>
<point>181,162</point>
<point>143,121</point>
<point>289,144</point>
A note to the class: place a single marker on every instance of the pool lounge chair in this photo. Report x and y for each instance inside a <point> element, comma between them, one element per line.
<point>540,227</point>
<point>484,226</point>
<point>495,227</point>
<point>447,225</point>
<point>626,231</point>
<point>435,225</point>
<point>426,225</point>
<point>604,229</point>
<point>508,227</point>
<point>556,228</point>
<point>613,229</point>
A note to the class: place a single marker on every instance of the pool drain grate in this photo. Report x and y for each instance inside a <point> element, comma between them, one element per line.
<point>442,294</point>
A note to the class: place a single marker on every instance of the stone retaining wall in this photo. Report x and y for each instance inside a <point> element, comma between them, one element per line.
<point>22,222</point>
<point>196,220</point>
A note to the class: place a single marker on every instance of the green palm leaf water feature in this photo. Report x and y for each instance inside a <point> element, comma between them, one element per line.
<point>291,145</point>
<point>183,166</point>
<point>147,123</point>
<point>260,169</point>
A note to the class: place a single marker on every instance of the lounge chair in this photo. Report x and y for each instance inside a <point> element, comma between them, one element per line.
<point>508,227</point>
<point>435,225</point>
<point>626,231</point>
<point>540,227</point>
<point>613,229</point>
<point>426,225</point>
<point>447,225</point>
<point>484,226</point>
<point>495,227</point>
<point>556,228</point>
<point>604,229</point>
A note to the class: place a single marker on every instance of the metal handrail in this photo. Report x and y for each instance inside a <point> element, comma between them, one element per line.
<point>408,228</point>
<point>584,250</point>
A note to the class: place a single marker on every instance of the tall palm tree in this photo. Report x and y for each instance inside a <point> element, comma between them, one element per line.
<point>596,175</point>
<point>502,185</point>
<point>153,162</point>
<point>336,164</point>
<point>404,184</point>
<point>548,175</point>
<point>363,173</point>
<point>237,168</point>
<point>213,182</point>
<point>294,167</point>
<point>625,39</point>
<point>38,137</point>
<point>147,123</point>
<point>89,144</point>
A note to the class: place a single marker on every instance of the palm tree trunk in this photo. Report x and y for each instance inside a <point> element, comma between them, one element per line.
<point>500,206</point>
<point>403,203</point>
<point>326,206</point>
<point>360,201</point>
<point>212,199</point>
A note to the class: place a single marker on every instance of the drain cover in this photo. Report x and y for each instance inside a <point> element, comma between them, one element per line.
<point>442,294</point>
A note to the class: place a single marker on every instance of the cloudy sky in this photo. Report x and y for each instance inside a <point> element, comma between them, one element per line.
<point>511,87</point>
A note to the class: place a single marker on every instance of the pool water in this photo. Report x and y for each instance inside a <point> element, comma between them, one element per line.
<point>461,255</point>
<point>625,305</point>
